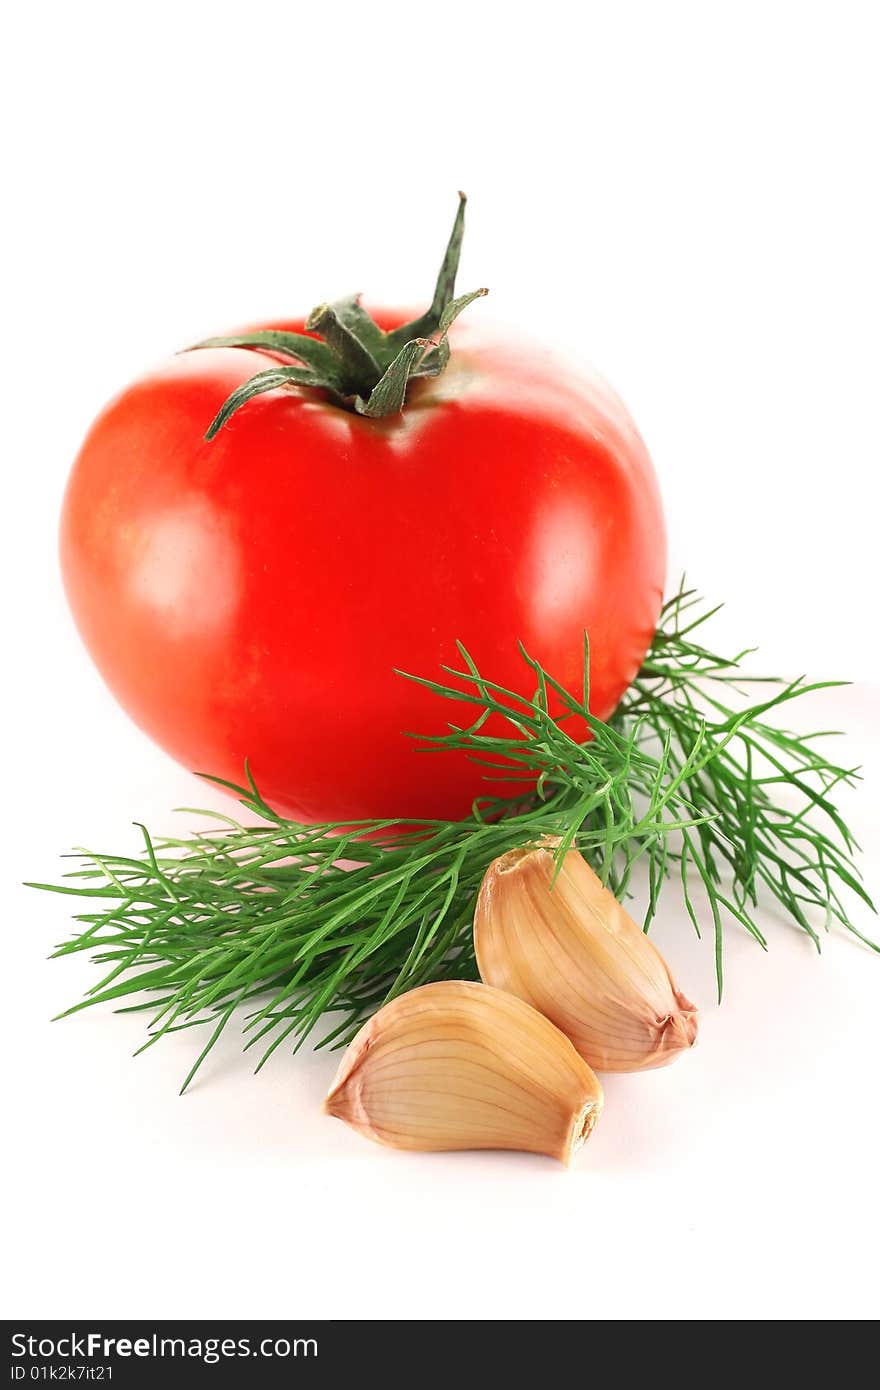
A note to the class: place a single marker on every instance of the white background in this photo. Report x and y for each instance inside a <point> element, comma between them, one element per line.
<point>686,194</point>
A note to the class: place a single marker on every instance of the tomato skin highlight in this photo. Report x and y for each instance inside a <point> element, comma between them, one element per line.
<point>251,597</point>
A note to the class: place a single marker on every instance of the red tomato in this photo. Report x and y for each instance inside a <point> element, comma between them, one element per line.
<point>252,596</point>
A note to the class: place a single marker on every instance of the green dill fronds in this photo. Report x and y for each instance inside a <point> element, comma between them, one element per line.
<point>291,922</point>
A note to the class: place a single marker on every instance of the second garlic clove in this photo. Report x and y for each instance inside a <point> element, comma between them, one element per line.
<point>459,1065</point>
<point>571,950</point>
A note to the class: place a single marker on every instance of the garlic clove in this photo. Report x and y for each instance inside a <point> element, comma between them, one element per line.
<point>459,1065</point>
<point>571,950</point>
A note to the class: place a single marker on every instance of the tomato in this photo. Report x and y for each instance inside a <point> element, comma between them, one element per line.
<point>251,597</point>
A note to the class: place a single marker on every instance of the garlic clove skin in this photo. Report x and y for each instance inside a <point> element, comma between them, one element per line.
<point>572,951</point>
<point>459,1065</point>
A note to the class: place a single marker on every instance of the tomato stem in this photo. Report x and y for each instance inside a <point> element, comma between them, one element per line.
<point>355,363</point>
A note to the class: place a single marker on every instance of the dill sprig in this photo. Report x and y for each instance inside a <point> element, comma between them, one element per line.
<point>292,922</point>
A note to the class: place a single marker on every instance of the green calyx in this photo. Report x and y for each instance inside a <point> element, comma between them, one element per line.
<point>359,365</point>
